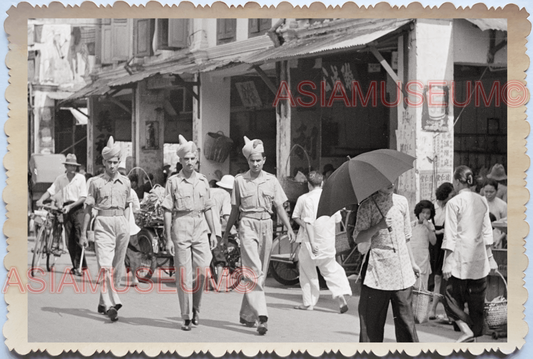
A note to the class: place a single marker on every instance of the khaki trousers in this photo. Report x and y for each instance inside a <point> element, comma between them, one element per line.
<point>192,258</point>
<point>111,236</point>
<point>256,245</point>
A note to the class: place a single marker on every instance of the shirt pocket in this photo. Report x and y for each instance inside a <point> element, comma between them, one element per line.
<point>184,200</point>
<point>248,200</point>
<point>268,197</point>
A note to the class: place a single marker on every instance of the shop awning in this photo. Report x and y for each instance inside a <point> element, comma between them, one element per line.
<point>103,86</point>
<point>317,43</point>
<point>490,24</point>
<point>58,95</point>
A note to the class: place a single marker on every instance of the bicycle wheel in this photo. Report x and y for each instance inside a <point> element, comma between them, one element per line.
<point>147,262</point>
<point>53,242</point>
<point>284,271</point>
<point>40,241</point>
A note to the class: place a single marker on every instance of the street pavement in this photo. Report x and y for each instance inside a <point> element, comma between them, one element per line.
<point>151,314</point>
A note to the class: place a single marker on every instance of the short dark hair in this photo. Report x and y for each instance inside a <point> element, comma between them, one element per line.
<point>423,204</point>
<point>315,178</point>
<point>490,182</point>
<point>443,191</point>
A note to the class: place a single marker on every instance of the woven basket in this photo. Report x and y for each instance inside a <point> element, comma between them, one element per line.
<point>342,244</point>
<point>421,304</point>
<point>292,188</point>
<point>496,312</point>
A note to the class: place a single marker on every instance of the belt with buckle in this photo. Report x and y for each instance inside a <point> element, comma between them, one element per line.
<point>256,215</point>
<point>178,214</point>
<point>110,212</point>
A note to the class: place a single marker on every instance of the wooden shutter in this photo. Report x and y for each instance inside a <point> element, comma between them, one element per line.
<point>178,33</point>
<point>258,27</point>
<point>120,39</point>
<point>143,31</point>
<point>226,30</point>
<point>106,46</point>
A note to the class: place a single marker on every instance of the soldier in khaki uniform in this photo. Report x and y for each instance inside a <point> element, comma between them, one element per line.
<point>109,194</point>
<point>187,207</point>
<point>254,194</point>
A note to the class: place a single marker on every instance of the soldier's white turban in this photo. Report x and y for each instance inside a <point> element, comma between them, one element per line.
<point>111,150</point>
<point>185,147</point>
<point>251,147</point>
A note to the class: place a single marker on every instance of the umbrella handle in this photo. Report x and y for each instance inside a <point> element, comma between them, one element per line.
<point>389,228</point>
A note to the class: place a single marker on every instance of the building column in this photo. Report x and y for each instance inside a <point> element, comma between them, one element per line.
<point>149,127</point>
<point>425,127</point>
<point>212,115</point>
<point>283,126</point>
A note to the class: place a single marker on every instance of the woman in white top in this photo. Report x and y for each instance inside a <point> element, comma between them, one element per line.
<point>468,257</point>
<point>423,234</point>
<point>497,206</point>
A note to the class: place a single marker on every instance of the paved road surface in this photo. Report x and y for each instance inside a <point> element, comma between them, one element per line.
<point>152,314</point>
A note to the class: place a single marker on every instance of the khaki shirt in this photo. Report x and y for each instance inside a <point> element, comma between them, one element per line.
<point>187,194</point>
<point>107,193</point>
<point>257,195</point>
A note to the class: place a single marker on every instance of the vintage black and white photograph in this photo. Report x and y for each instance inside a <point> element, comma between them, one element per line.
<point>229,180</point>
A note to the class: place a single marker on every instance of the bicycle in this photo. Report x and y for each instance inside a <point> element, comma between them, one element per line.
<point>49,229</point>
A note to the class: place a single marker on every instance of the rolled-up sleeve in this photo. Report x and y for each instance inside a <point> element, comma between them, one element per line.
<point>208,201</point>
<point>90,200</point>
<point>168,202</point>
<point>450,229</point>
<point>279,194</point>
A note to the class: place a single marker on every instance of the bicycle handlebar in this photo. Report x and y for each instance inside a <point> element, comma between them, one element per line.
<point>50,207</point>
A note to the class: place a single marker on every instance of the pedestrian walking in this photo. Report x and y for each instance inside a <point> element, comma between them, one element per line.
<point>423,235</point>
<point>317,249</point>
<point>188,218</point>
<point>71,190</point>
<point>383,229</point>
<point>468,256</point>
<point>443,194</point>
<point>254,194</point>
<point>109,194</point>
<point>221,196</point>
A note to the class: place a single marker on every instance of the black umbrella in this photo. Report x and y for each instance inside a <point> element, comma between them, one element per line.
<point>360,177</point>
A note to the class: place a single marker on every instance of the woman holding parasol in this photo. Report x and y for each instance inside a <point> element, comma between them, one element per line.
<point>382,230</point>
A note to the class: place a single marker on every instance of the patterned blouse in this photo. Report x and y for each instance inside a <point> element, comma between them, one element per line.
<point>389,264</point>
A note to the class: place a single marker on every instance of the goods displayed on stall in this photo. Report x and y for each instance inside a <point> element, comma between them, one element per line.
<point>217,146</point>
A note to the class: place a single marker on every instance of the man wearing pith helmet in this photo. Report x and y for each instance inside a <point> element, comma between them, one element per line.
<point>109,194</point>
<point>254,194</point>
<point>70,189</point>
<point>188,218</point>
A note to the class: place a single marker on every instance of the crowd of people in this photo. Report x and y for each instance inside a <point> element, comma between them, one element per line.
<point>450,240</point>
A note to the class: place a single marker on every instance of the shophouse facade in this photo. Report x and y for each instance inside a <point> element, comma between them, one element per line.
<point>335,87</point>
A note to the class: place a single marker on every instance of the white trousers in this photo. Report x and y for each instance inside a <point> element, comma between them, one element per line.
<point>332,272</point>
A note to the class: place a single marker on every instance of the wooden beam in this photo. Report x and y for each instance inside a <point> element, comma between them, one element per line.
<point>188,85</point>
<point>265,79</point>
<point>389,69</point>
<point>119,104</point>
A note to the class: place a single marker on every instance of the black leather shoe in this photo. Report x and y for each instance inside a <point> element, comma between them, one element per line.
<point>195,318</point>
<point>262,328</point>
<point>101,309</point>
<point>343,309</point>
<point>112,314</point>
<point>118,306</point>
<point>186,325</point>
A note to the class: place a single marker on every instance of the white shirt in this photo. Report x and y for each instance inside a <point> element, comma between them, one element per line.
<point>69,191</point>
<point>221,207</point>
<point>467,233</point>
<point>301,236</point>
